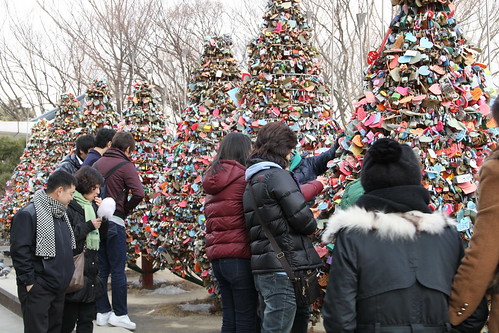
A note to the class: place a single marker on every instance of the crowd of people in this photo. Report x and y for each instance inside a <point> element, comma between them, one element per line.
<point>61,222</point>
<point>397,265</point>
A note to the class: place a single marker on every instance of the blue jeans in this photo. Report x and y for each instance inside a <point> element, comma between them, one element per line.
<point>239,296</point>
<point>112,260</point>
<point>279,304</point>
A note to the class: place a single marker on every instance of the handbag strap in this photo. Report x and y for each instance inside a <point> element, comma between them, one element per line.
<point>270,237</point>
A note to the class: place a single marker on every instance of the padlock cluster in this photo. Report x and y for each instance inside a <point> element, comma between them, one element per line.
<point>145,120</point>
<point>99,111</point>
<point>50,142</point>
<point>424,86</point>
<point>285,81</point>
<point>178,222</point>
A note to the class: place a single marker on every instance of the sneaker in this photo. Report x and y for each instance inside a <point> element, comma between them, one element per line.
<point>122,321</point>
<point>103,318</point>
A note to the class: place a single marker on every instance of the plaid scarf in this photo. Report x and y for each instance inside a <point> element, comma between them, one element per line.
<point>46,210</point>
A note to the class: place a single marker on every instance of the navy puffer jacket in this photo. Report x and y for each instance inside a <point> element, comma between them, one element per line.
<point>311,167</point>
<point>287,215</point>
<point>226,235</point>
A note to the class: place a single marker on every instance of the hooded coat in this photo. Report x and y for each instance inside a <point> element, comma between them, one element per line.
<point>286,214</point>
<point>388,268</point>
<point>226,235</point>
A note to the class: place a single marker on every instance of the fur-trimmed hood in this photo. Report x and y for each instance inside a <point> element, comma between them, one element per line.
<point>387,225</point>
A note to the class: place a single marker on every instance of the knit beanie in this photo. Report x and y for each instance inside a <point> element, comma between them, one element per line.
<point>387,164</point>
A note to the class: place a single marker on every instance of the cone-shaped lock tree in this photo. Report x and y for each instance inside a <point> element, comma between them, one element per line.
<point>145,120</point>
<point>208,117</point>
<point>285,84</point>
<point>48,145</point>
<point>26,176</point>
<point>98,111</point>
<point>424,86</point>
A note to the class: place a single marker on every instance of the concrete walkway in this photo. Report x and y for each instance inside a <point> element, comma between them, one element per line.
<point>10,308</point>
<point>175,306</point>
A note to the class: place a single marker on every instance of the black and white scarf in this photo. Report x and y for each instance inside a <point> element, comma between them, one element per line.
<point>46,210</point>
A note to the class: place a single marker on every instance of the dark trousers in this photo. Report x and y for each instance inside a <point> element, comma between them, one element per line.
<point>302,316</point>
<point>112,260</point>
<point>79,314</point>
<point>42,309</point>
<point>239,296</point>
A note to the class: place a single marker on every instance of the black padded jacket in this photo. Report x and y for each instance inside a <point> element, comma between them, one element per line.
<point>71,163</point>
<point>287,215</point>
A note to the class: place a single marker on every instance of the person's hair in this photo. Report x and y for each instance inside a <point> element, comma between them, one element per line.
<point>88,178</point>
<point>274,142</point>
<point>234,146</point>
<point>60,178</point>
<point>495,110</point>
<point>123,140</point>
<point>104,135</point>
<point>84,143</point>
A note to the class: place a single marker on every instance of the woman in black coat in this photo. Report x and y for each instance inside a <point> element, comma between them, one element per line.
<point>394,259</point>
<point>285,212</point>
<point>79,306</point>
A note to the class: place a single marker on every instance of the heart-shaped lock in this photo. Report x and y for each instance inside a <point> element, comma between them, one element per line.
<point>425,43</point>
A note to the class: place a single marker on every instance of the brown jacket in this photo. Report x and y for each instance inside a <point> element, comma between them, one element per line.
<point>479,267</point>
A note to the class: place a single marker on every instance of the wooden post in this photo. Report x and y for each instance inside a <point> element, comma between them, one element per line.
<point>146,278</point>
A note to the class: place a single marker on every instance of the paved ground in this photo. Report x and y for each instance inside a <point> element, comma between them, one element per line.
<point>175,306</point>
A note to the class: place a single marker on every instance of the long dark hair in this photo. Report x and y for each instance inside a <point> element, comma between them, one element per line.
<point>274,143</point>
<point>234,146</point>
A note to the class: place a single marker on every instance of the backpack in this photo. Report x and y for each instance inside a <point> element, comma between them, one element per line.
<point>103,190</point>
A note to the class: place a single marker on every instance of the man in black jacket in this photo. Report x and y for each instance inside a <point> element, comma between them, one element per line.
<point>73,162</point>
<point>42,244</point>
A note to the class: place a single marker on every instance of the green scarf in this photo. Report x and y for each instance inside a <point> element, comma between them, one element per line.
<point>295,160</point>
<point>93,238</point>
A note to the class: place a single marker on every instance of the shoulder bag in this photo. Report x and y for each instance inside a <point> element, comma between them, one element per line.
<point>305,283</point>
<point>78,279</point>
